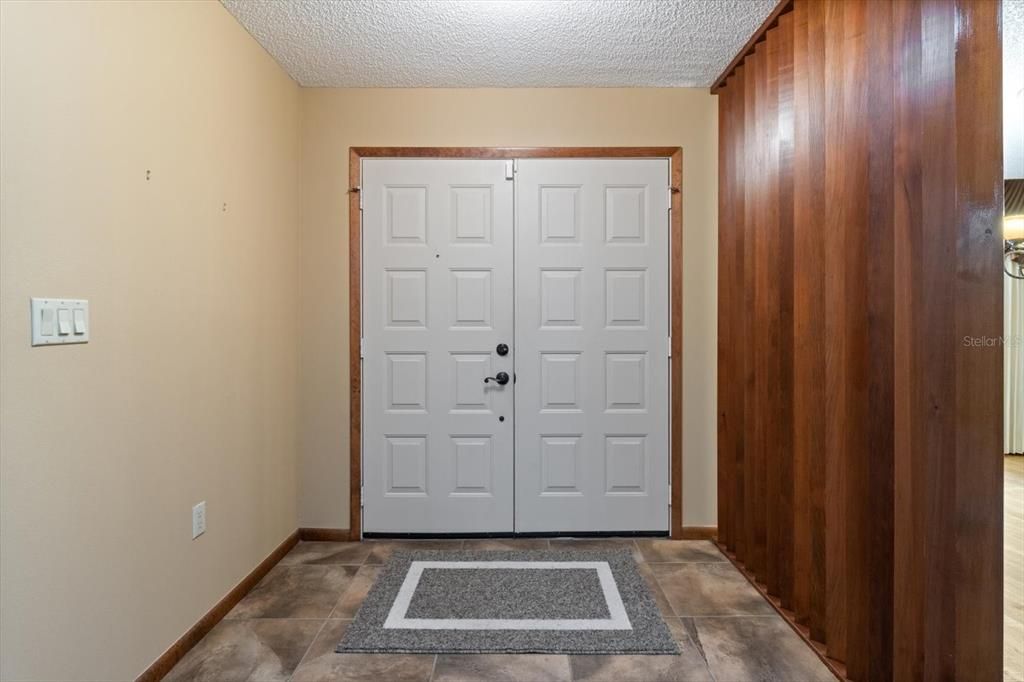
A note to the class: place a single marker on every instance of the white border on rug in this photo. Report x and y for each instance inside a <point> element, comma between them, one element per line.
<point>618,619</point>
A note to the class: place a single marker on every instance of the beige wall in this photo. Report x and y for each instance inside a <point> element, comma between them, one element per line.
<point>335,119</point>
<point>192,386</point>
<point>188,389</point>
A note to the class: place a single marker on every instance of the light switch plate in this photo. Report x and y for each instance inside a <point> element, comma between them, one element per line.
<point>198,519</point>
<point>48,314</point>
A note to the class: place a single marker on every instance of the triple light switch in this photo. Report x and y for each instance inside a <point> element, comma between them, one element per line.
<point>58,321</point>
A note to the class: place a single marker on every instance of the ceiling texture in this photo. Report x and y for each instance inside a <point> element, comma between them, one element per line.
<point>502,43</point>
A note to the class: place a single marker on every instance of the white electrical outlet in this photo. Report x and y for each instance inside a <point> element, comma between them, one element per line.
<point>198,519</point>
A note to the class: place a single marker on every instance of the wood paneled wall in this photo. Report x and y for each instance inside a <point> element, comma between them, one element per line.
<point>860,199</point>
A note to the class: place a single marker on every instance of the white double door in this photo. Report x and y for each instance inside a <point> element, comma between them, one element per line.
<point>566,263</point>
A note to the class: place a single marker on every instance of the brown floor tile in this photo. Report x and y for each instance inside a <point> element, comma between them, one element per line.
<point>273,631</point>
<point>327,553</point>
<point>678,628</point>
<point>597,544</point>
<point>688,665</point>
<point>757,648</point>
<point>514,544</point>
<point>691,632</point>
<point>502,668</point>
<point>355,592</point>
<point>380,550</point>
<point>295,592</point>
<point>662,550</point>
<point>321,663</point>
<point>709,590</point>
<point>659,595</point>
<point>244,650</point>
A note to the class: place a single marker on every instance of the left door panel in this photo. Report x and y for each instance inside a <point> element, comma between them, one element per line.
<point>437,300</point>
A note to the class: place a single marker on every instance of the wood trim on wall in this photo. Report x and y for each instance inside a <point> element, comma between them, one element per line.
<point>167,660</point>
<point>700,533</point>
<point>676,325</point>
<point>325,534</point>
<point>675,156</point>
<point>355,336</point>
<point>512,153</point>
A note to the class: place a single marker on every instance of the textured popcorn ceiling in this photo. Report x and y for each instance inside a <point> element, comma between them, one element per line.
<point>502,43</point>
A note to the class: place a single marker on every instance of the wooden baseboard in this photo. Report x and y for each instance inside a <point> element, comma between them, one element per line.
<point>162,665</point>
<point>700,532</point>
<point>326,534</point>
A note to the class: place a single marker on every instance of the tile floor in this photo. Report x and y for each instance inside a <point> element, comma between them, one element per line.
<point>288,626</point>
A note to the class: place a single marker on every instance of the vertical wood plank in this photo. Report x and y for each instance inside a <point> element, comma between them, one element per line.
<point>852,176</point>
<point>875,587</point>
<point>737,319</point>
<point>908,438</point>
<point>978,471</point>
<point>750,189</point>
<point>769,309</point>
<point>837,428</point>
<point>935,376</point>
<point>784,413</point>
<point>762,391</point>
<point>808,313</point>
<point>805,241</point>
<point>727,438</point>
<point>816,208</point>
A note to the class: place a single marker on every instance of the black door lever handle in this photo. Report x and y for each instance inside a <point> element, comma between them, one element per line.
<point>501,378</point>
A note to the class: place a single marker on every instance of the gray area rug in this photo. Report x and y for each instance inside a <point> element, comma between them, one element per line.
<point>567,602</point>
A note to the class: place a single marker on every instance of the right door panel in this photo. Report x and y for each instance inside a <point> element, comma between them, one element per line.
<point>591,351</point>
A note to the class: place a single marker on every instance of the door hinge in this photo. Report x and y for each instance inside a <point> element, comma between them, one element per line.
<point>670,494</point>
<point>670,346</point>
<point>361,496</point>
<point>510,169</point>
<point>362,348</point>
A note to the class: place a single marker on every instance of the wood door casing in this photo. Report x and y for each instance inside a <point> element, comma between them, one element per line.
<point>675,156</point>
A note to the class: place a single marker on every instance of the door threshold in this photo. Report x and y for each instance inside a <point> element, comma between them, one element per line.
<point>554,534</point>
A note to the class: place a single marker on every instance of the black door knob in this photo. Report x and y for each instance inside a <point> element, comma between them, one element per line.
<point>502,349</point>
<point>501,378</point>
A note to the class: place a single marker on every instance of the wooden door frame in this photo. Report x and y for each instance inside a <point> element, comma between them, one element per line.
<point>357,154</point>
